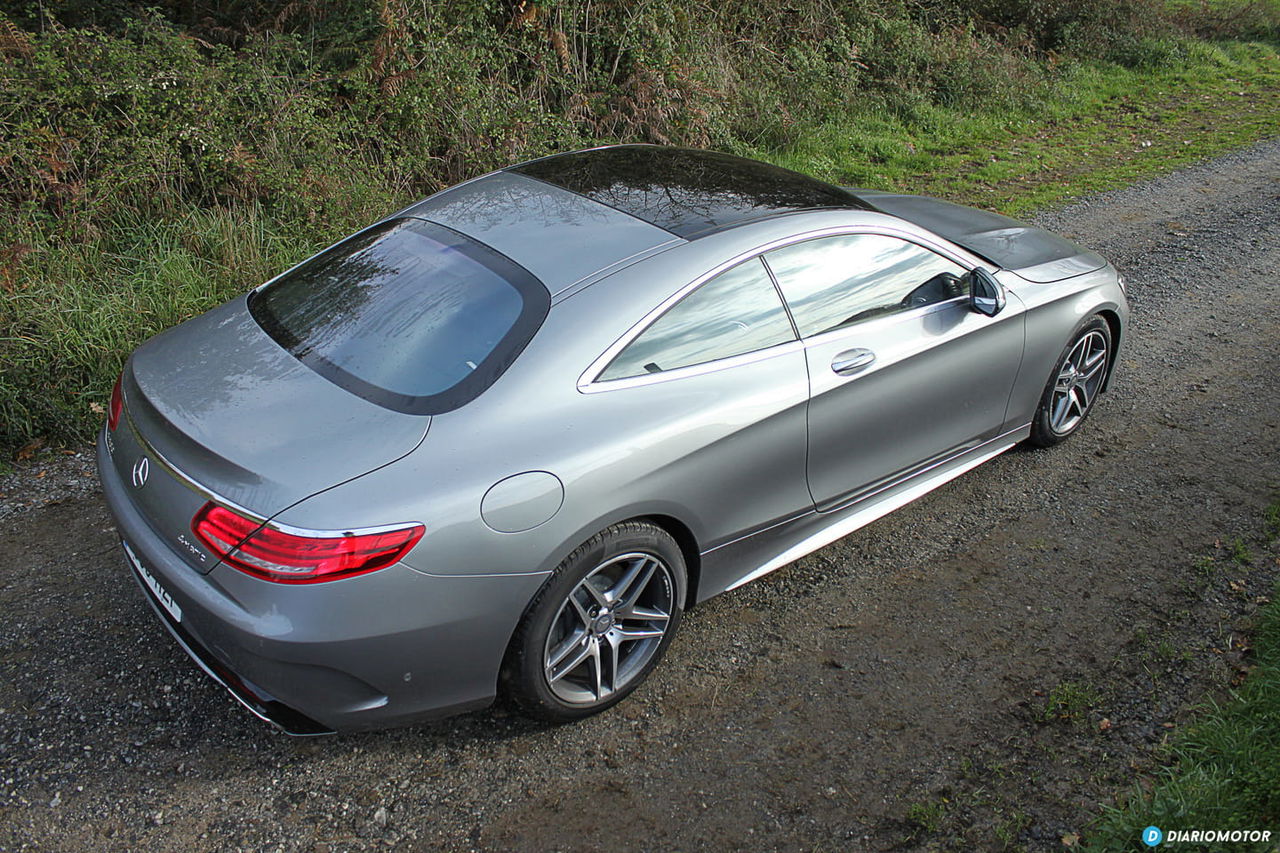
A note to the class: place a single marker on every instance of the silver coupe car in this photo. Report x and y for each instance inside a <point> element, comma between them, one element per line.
<point>496,443</point>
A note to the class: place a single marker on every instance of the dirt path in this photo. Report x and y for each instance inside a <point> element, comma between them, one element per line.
<point>940,679</point>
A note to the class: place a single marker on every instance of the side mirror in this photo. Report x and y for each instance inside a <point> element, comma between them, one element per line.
<point>986,295</point>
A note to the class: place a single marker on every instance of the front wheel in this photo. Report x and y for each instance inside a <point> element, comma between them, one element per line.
<point>599,625</point>
<point>1074,386</point>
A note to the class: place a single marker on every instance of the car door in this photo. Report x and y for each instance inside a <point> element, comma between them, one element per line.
<point>903,373</point>
<point>705,405</point>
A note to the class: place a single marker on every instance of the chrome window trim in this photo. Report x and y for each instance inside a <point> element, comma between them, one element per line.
<point>590,383</point>
<point>599,386</point>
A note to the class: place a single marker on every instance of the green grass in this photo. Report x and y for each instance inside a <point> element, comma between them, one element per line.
<point>1070,700</point>
<point>1239,552</point>
<point>927,816</point>
<point>128,285</point>
<point>1271,521</point>
<point>1221,771</point>
<point>1097,126</point>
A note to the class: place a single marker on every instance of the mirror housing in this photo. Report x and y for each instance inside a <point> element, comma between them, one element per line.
<point>986,295</point>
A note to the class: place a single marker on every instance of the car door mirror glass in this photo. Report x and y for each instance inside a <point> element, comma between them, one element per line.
<point>986,295</point>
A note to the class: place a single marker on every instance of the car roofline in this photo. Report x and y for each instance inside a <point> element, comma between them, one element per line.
<point>877,222</point>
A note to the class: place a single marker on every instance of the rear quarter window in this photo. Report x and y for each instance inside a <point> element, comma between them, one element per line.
<point>407,314</point>
<point>737,312</point>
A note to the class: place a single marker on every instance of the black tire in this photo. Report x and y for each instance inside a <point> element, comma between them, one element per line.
<point>554,622</point>
<point>1048,427</point>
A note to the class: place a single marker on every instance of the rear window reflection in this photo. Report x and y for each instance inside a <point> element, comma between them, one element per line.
<point>405,313</point>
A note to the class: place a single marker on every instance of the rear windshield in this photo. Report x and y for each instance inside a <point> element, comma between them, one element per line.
<point>407,314</point>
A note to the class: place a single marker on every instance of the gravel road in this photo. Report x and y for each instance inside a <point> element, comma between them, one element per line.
<point>981,670</point>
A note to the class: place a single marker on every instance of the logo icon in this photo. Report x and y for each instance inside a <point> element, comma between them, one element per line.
<point>141,469</point>
<point>1152,836</point>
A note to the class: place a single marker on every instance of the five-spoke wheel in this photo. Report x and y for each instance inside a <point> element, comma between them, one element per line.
<point>599,625</point>
<point>609,628</point>
<point>1074,385</point>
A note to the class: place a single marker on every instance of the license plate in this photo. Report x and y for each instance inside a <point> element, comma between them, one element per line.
<point>165,599</point>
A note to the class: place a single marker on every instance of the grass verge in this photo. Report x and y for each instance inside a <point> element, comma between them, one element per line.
<point>1222,770</point>
<point>1099,127</point>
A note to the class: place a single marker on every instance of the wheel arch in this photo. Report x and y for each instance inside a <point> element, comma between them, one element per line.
<point>665,515</point>
<point>688,544</point>
<point>1113,324</point>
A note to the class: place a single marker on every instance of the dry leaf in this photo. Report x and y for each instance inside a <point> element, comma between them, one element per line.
<point>1071,839</point>
<point>1104,724</point>
<point>29,449</point>
<point>97,408</point>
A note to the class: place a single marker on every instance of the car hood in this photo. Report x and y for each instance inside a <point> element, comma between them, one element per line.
<point>230,409</point>
<point>1030,252</point>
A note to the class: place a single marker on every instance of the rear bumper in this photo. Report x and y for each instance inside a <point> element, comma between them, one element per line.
<point>258,701</point>
<point>384,649</point>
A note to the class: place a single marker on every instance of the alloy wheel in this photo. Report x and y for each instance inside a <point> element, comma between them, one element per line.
<point>1078,382</point>
<point>609,628</point>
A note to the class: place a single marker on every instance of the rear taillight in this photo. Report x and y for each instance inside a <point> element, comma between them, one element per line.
<point>117,404</point>
<point>282,557</point>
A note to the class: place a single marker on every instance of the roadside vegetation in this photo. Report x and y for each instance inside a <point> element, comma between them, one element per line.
<point>1221,771</point>
<point>156,159</point>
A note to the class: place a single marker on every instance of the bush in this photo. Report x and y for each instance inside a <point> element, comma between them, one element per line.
<point>155,160</point>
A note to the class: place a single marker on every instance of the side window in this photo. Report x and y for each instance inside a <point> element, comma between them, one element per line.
<point>835,281</point>
<point>736,312</point>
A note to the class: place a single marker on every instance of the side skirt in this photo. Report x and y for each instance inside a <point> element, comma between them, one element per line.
<point>784,544</point>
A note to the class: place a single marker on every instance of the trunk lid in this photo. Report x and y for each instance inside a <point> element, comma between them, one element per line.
<point>216,405</point>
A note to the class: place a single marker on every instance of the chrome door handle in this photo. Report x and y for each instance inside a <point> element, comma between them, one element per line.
<point>852,361</point>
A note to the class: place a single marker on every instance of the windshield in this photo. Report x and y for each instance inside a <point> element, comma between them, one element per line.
<point>407,314</point>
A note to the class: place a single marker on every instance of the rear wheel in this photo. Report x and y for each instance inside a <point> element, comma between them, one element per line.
<point>599,625</point>
<point>1074,385</point>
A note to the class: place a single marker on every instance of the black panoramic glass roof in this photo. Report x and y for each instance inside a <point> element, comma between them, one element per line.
<point>685,191</point>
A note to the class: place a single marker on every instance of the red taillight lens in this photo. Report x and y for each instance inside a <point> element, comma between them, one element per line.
<point>282,557</point>
<point>117,404</point>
